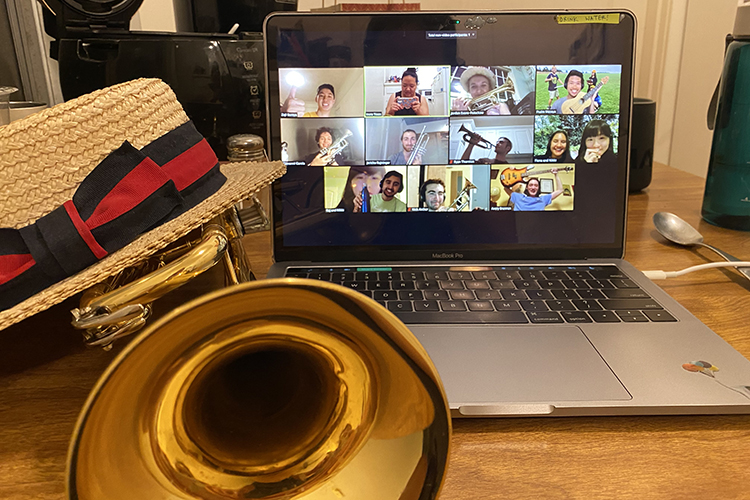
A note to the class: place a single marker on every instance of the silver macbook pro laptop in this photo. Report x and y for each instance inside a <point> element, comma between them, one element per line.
<point>469,172</point>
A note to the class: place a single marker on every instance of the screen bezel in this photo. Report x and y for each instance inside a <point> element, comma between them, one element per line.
<point>457,251</point>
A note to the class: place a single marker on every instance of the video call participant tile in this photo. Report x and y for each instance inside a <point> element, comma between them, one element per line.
<point>323,141</point>
<point>321,92</point>
<point>491,139</point>
<point>492,90</point>
<point>563,139</point>
<point>406,141</point>
<point>582,89</point>
<point>533,188</point>
<point>406,91</point>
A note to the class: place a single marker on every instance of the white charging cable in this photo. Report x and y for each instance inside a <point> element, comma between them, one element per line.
<point>661,275</point>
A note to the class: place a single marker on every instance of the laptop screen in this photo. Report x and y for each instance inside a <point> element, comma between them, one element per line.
<point>430,136</point>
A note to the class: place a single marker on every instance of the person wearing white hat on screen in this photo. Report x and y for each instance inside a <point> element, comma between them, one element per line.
<point>477,81</point>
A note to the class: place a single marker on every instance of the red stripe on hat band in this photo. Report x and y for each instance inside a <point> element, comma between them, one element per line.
<point>136,186</point>
<point>191,165</point>
<point>84,231</point>
<point>13,265</point>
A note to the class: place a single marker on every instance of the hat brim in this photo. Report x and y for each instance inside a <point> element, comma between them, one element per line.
<point>471,72</point>
<point>243,179</point>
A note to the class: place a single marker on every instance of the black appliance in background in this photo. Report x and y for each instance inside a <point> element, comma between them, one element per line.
<point>218,78</point>
<point>218,16</point>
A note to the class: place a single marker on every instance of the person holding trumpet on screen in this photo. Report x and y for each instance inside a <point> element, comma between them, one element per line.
<point>329,153</point>
<point>503,146</point>
<point>408,154</point>
<point>478,81</point>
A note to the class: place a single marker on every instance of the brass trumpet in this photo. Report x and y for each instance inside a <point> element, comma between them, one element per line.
<point>121,305</point>
<point>463,198</point>
<point>491,98</point>
<point>286,388</point>
<point>272,389</point>
<point>481,141</point>
<point>419,148</point>
<point>335,148</point>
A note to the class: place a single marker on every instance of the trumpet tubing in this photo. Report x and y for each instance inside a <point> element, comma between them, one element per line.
<point>491,98</point>
<point>420,147</point>
<point>120,305</point>
<point>337,147</point>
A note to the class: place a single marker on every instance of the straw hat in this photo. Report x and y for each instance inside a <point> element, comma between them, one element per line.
<point>45,157</point>
<point>472,71</point>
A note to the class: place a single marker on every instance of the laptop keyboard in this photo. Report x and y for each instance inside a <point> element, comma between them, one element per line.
<point>500,294</point>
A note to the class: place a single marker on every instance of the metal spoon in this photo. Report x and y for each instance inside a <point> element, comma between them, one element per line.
<point>678,231</point>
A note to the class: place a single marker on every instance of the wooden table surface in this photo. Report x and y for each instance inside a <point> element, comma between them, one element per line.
<point>46,374</point>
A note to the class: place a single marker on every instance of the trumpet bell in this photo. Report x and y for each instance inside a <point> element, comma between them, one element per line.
<point>481,142</point>
<point>282,388</point>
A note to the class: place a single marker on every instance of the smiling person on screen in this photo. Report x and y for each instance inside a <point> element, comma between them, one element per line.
<point>572,104</point>
<point>390,186</point>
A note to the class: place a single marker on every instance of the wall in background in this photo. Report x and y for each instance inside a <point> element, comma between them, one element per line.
<point>155,15</point>
<point>679,58</point>
<point>700,66</point>
<point>26,52</point>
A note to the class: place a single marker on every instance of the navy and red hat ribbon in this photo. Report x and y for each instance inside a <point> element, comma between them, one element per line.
<point>129,193</point>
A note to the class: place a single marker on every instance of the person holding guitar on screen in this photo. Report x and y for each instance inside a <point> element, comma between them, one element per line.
<point>574,103</point>
<point>531,199</point>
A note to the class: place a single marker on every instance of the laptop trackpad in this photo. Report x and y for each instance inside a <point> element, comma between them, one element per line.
<point>486,364</point>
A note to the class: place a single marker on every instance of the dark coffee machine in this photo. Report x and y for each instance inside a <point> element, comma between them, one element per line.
<point>218,77</point>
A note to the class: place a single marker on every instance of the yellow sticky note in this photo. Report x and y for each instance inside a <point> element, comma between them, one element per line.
<point>589,18</point>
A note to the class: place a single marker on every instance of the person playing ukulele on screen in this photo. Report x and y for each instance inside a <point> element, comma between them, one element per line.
<point>574,103</point>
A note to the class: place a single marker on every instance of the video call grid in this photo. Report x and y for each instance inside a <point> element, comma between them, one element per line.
<point>515,106</point>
